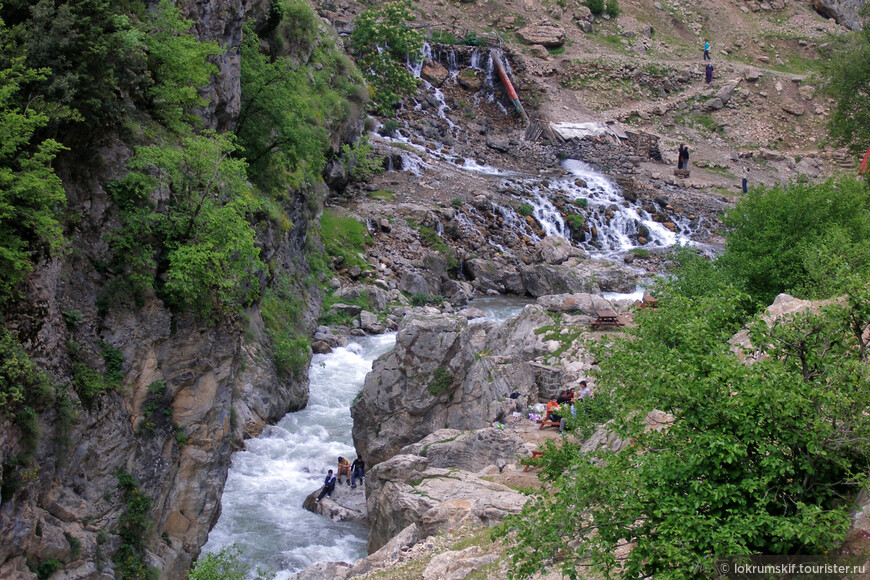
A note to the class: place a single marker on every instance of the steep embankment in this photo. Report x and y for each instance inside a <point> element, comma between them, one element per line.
<point>122,467</point>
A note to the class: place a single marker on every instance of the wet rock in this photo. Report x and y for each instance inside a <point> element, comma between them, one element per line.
<point>556,249</point>
<point>320,347</point>
<point>457,292</point>
<point>470,80</point>
<point>486,274</point>
<point>435,73</point>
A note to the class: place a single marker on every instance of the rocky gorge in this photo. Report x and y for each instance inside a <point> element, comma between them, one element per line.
<point>468,205</point>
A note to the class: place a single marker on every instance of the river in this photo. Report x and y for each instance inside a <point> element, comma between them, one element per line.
<point>268,481</point>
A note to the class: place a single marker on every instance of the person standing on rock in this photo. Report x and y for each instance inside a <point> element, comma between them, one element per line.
<point>707,50</point>
<point>708,73</point>
<point>683,157</point>
<point>328,486</point>
<point>745,179</point>
<point>357,471</point>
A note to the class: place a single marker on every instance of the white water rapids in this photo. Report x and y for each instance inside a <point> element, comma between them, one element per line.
<point>268,481</point>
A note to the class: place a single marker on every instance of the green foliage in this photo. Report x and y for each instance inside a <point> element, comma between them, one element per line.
<point>289,109</point>
<point>132,528</point>
<point>758,458</point>
<point>21,383</point>
<point>596,6</point>
<point>47,568</point>
<point>441,381</point>
<point>361,160</point>
<point>575,222</point>
<point>178,64</point>
<point>795,238</point>
<point>73,318</point>
<point>525,210</point>
<point>196,247</point>
<point>389,128</point>
<point>847,77</point>
<point>223,565</point>
<point>456,202</point>
<point>75,546</point>
<point>612,8</point>
<point>113,359</point>
<point>89,384</point>
<point>383,42</point>
<point>282,308</point>
<point>422,299</point>
<point>344,237</point>
<point>31,196</point>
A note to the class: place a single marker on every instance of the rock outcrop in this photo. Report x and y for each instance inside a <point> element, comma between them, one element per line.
<point>404,490</point>
<point>845,12</point>
<point>447,373</point>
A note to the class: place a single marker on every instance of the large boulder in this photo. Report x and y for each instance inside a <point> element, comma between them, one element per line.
<point>377,297</point>
<point>582,302</point>
<point>434,72</point>
<point>575,276</point>
<point>435,500</point>
<point>470,451</point>
<point>845,12</point>
<point>549,35</point>
<point>556,249</point>
<point>444,372</point>
<point>487,275</point>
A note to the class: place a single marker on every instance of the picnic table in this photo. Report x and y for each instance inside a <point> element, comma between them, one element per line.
<point>605,318</point>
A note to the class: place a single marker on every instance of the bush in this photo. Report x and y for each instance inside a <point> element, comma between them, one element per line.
<point>441,381</point>
<point>389,128</point>
<point>525,210</point>
<point>223,565</point>
<point>575,222</point>
<point>281,308</point>
<point>612,8</point>
<point>456,203</point>
<point>595,6</point>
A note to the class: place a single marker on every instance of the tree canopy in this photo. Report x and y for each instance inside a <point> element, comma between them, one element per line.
<point>848,83</point>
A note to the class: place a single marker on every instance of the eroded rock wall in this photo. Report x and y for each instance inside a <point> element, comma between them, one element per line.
<point>447,373</point>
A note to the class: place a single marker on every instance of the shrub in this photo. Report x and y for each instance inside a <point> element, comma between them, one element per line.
<point>389,128</point>
<point>525,210</point>
<point>595,6</point>
<point>612,8</point>
<point>281,309</point>
<point>456,203</point>
<point>45,569</point>
<point>223,565</point>
<point>441,381</point>
<point>581,202</point>
<point>575,222</point>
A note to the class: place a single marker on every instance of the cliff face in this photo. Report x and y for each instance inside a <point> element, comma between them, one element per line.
<point>191,390</point>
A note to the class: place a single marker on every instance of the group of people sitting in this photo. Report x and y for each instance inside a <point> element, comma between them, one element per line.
<point>565,399</point>
<point>352,471</point>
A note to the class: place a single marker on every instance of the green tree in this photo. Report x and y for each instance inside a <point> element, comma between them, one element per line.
<point>198,240</point>
<point>31,195</point>
<point>782,237</point>
<point>759,458</point>
<point>224,565</point>
<point>178,64</point>
<point>848,83</point>
<point>384,43</point>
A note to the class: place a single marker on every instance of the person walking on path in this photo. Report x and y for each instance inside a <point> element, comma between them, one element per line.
<point>708,73</point>
<point>745,179</point>
<point>328,486</point>
<point>707,50</point>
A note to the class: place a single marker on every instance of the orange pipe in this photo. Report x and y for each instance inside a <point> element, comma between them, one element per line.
<point>505,80</point>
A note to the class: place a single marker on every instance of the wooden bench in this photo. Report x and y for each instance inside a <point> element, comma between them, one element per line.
<point>605,318</point>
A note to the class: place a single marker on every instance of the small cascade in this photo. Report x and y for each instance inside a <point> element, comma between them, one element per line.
<point>369,225</point>
<point>512,220</point>
<point>549,217</point>
<point>439,227</point>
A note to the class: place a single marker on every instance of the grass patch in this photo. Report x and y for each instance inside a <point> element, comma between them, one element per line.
<point>556,51</point>
<point>383,195</point>
<point>441,381</point>
<point>344,237</point>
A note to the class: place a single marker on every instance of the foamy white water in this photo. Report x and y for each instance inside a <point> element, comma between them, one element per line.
<point>268,481</point>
